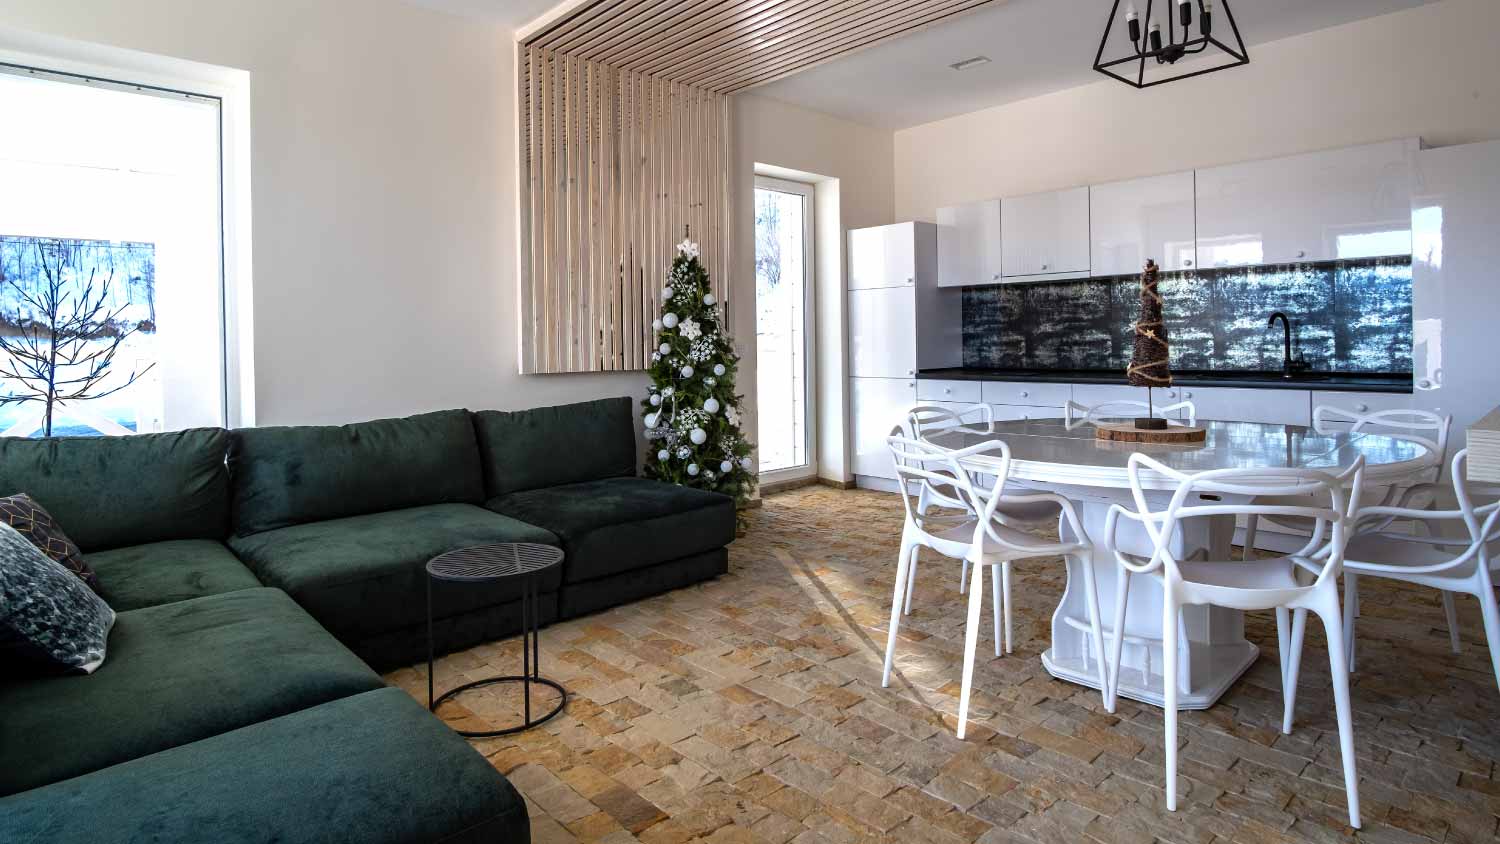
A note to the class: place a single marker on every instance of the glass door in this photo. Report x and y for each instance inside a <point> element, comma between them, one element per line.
<point>783,336</point>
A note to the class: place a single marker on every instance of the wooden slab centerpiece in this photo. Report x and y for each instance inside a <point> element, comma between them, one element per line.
<point>1150,367</point>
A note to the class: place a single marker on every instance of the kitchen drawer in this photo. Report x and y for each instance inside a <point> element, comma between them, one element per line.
<point>966,392</point>
<point>1093,395</point>
<point>1234,404</point>
<point>1026,393</point>
<point>1362,403</point>
<point>1014,412</point>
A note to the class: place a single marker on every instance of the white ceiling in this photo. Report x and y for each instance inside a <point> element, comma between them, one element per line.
<point>511,13</point>
<point>1035,46</point>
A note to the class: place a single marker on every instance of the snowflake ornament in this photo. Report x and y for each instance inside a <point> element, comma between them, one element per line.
<point>688,248</point>
<point>690,329</point>
<point>732,413</point>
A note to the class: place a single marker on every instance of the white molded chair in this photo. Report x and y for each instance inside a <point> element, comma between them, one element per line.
<point>1291,585</point>
<point>924,420</point>
<point>1429,558</point>
<point>990,540</point>
<point>1075,414</point>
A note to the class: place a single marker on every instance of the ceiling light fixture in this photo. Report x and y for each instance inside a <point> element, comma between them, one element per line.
<point>1146,41</point>
<point>968,63</point>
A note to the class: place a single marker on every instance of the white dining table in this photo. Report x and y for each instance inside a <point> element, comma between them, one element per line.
<point>1070,460</point>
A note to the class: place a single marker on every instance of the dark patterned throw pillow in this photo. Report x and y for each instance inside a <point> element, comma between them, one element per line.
<point>50,622</point>
<point>21,512</point>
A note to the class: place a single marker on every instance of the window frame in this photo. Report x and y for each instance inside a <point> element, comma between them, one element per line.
<point>809,467</point>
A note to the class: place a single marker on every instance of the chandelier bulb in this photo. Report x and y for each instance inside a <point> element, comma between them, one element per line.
<point>1133,24</point>
<point>1155,36</point>
<point>1184,12</point>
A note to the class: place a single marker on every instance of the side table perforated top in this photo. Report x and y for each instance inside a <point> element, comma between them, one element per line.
<point>492,562</point>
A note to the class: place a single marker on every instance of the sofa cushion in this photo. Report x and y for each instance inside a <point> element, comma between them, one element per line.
<point>50,621</point>
<point>117,491</point>
<point>163,572</point>
<point>374,768</point>
<point>176,674</point>
<point>620,524</point>
<point>32,521</point>
<point>547,446</point>
<point>367,574</point>
<point>290,476</point>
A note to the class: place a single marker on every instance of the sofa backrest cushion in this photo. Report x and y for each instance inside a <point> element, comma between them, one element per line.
<point>294,475</point>
<point>111,492</point>
<point>549,446</point>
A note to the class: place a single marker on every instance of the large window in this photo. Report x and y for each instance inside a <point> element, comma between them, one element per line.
<point>111,258</point>
<point>783,284</point>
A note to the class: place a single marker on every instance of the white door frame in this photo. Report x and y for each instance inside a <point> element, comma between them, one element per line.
<point>809,468</point>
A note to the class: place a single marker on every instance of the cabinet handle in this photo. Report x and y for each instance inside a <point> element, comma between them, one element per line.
<point>1171,394</point>
<point>911,372</point>
<point>912,384</point>
<point>1186,394</point>
<point>1361,407</point>
<point>947,391</point>
<point>1044,266</point>
<point>1424,384</point>
<point>909,281</point>
<point>1024,394</point>
<point>1301,253</point>
<point>1187,263</point>
<point>995,277</point>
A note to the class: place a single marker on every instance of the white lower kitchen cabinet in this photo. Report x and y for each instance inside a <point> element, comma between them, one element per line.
<point>1236,404</point>
<point>1361,403</point>
<point>877,405</point>
<point>1026,393</point>
<point>1018,412</point>
<point>1093,395</point>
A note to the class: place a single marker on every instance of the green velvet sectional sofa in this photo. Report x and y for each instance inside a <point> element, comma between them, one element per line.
<point>263,576</point>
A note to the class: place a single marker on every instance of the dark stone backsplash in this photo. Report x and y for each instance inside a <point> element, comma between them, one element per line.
<point>1347,316</point>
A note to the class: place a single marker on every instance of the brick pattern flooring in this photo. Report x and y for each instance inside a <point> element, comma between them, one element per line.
<point>750,709</point>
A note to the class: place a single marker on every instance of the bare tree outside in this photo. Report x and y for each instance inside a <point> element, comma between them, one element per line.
<point>65,332</point>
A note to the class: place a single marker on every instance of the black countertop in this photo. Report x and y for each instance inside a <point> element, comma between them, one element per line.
<point>1324,381</point>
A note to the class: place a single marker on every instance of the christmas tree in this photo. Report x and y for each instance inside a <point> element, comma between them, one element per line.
<point>1150,359</point>
<point>692,414</point>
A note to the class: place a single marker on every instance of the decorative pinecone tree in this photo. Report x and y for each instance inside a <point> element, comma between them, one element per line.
<point>1150,359</point>
<point>692,414</point>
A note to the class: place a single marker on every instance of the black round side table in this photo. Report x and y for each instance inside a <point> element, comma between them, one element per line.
<point>484,564</point>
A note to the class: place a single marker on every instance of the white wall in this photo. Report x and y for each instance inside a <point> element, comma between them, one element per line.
<point>1432,72</point>
<point>383,178</point>
<point>853,163</point>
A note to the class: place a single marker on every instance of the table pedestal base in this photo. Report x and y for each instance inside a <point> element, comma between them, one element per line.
<point>1226,663</point>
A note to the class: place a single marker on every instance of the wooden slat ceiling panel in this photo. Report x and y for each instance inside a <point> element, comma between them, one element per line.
<point>726,46</point>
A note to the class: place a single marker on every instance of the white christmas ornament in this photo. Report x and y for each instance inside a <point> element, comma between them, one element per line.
<point>698,436</point>
<point>687,372</point>
<point>665,348</point>
<point>711,405</point>
<point>667,392</point>
<point>709,300</point>
<point>655,400</point>
<point>651,420</point>
<point>688,248</point>
<point>655,325</point>
<point>732,415</point>
<point>663,455</point>
<point>746,464</point>
<point>666,293</point>
<point>726,467</point>
<point>669,320</point>
<point>719,369</point>
<point>690,329</point>
<point>693,469</point>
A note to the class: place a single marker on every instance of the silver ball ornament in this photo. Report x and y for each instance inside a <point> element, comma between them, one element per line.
<point>719,369</point>
<point>708,299</point>
<point>746,464</point>
<point>698,436</point>
<point>655,400</point>
<point>665,348</point>
<point>693,469</point>
<point>666,293</point>
<point>687,372</point>
<point>726,467</point>
<point>711,405</point>
<point>663,455</point>
<point>655,325</point>
<point>684,453</point>
<point>651,420</point>
<point>669,320</point>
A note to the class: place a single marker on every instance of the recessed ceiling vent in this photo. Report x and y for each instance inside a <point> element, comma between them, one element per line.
<point>968,63</point>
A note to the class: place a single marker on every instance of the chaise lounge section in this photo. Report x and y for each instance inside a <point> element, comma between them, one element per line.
<point>262,576</point>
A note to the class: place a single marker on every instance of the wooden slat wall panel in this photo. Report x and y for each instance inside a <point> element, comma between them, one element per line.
<point>731,45</point>
<point>615,164</point>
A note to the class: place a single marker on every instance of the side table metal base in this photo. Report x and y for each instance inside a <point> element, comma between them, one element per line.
<point>530,722</point>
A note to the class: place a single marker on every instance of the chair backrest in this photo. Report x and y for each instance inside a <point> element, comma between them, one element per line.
<point>918,462</point>
<point>1419,426</point>
<point>1333,500</point>
<point>1074,412</point>
<point>926,419</point>
<point>1482,523</point>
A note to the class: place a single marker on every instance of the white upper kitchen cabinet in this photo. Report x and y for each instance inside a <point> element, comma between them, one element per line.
<point>1345,203</point>
<point>897,329</point>
<point>1143,218</point>
<point>889,256</point>
<point>1046,235</point>
<point>969,244</point>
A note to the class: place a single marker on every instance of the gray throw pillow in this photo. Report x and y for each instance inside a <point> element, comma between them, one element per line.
<point>50,621</point>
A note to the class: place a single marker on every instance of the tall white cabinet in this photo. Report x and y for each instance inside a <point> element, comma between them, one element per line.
<point>1143,218</point>
<point>900,321</point>
<point>1322,206</point>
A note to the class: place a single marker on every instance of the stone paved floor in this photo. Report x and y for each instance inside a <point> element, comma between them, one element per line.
<point>750,709</point>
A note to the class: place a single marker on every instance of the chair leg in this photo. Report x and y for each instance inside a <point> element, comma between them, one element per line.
<point>1351,602</point>
<point>1491,611</point>
<point>1251,523</point>
<point>963,578</point>
<point>911,576</point>
<point>997,608</point>
<point>1010,630</point>
<point>1283,642</point>
<point>1451,612</point>
<point>971,639</point>
<point>907,552</point>
<point>1091,587</point>
<point>1122,594</point>
<point>1169,690</point>
<point>1293,669</point>
<point>1340,671</point>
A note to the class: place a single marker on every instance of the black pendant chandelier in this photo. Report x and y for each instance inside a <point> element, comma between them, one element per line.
<point>1148,46</point>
